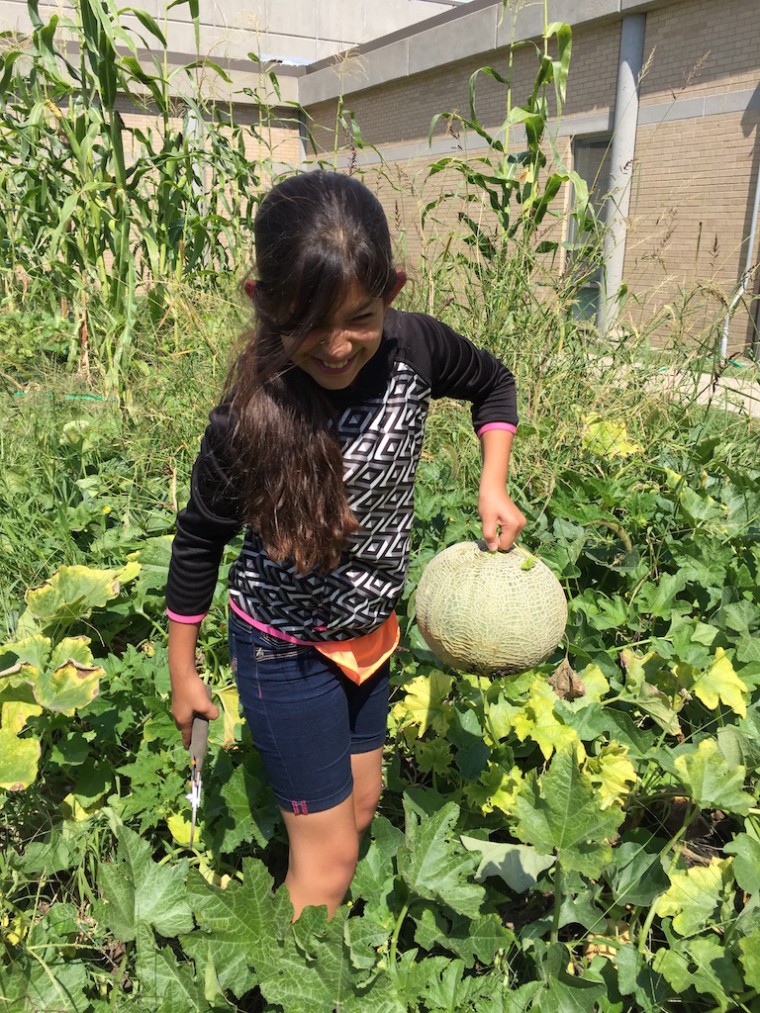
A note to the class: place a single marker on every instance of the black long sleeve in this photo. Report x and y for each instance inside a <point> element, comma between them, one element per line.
<point>210,520</point>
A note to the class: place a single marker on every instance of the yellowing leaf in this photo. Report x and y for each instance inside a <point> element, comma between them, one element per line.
<point>595,685</point>
<point>611,773</point>
<point>227,732</point>
<point>179,828</point>
<point>536,720</point>
<point>34,651</point>
<point>504,787</point>
<point>721,684</point>
<point>69,687</point>
<point>72,809</point>
<point>62,679</point>
<point>74,591</point>
<point>693,895</point>
<point>16,713</point>
<point>19,759</point>
<point>425,703</point>
<point>711,781</point>
<point>672,478</point>
<point>608,437</point>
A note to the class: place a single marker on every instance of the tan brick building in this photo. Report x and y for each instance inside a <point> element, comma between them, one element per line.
<point>663,108</point>
<point>694,145</point>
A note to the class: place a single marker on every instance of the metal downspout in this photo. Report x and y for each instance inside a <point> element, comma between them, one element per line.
<point>742,286</point>
<point>622,151</point>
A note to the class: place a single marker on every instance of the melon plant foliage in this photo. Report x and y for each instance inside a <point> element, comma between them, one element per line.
<point>581,836</point>
<point>568,837</point>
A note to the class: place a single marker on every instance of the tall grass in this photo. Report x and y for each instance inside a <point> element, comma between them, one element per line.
<point>102,248</point>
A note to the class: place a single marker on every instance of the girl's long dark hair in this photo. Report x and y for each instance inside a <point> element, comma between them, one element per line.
<point>315,235</point>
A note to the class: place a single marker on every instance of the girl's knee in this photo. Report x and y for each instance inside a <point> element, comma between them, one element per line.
<point>365,806</point>
<point>368,786</point>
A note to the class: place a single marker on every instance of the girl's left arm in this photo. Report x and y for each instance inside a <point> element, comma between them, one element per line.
<point>502,520</point>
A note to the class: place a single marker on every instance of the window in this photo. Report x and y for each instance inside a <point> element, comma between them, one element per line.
<point>591,162</point>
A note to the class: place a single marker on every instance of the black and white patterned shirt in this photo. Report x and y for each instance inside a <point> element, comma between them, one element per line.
<point>380,426</point>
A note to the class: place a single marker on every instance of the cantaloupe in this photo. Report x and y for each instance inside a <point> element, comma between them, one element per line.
<point>482,611</point>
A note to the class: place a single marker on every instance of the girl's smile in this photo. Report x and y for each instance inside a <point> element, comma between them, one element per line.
<point>334,355</point>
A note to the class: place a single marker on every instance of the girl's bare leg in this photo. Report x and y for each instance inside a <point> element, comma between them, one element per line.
<point>324,846</point>
<point>367,769</point>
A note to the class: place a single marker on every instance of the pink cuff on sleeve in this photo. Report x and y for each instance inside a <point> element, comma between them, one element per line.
<point>506,426</point>
<point>186,619</point>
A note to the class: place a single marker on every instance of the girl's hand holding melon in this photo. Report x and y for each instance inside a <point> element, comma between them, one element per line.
<point>502,520</point>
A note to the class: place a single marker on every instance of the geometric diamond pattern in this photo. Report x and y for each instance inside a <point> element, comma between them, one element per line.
<point>382,442</point>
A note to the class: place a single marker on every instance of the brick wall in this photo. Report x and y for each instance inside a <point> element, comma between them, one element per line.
<point>696,162</point>
<point>701,47</point>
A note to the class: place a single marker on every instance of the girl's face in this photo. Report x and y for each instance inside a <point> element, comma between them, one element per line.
<point>334,354</point>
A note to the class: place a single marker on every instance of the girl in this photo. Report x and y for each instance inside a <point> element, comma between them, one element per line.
<point>314,450</point>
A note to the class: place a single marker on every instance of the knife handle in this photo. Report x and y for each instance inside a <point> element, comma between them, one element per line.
<point>199,737</point>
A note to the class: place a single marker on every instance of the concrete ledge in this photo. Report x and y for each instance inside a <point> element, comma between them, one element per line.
<point>355,72</point>
<point>718,104</point>
<point>454,40</point>
<point>480,27</point>
<point>529,21</point>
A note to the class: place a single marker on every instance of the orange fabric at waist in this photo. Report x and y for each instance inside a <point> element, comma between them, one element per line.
<point>361,657</point>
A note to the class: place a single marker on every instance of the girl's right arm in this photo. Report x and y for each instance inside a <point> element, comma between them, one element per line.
<point>210,520</point>
<point>189,697</point>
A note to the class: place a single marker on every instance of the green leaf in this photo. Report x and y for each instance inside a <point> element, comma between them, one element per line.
<point>149,23</point>
<point>517,864</point>
<point>636,875</point>
<point>702,965</point>
<point>750,958</point>
<point>434,865</point>
<point>567,994</point>
<point>746,852</point>
<point>561,811</point>
<point>375,872</point>
<point>364,936</point>
<point>637,978</point>
<point>238,805</point>
<point>711,782</point>
<point>660,599</point>
<point>42,859</point>
<point>479,939</point>
<point>243,926</point>
<point>313,972</point>
<point>171,986</point>
<point>738,748</point>
<point>19,760</point>
<point>748,649</point>
<point>139,892</point>
<point>48,983</point>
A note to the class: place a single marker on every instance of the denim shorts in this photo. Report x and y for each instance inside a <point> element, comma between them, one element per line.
<point>306,718</point>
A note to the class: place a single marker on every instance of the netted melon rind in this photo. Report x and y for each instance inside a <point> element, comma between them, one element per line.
<point>481,611</point>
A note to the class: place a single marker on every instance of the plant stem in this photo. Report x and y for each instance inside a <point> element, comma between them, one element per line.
<point>558,885</point>
<point>651,914</point>
<point>393,952</point>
